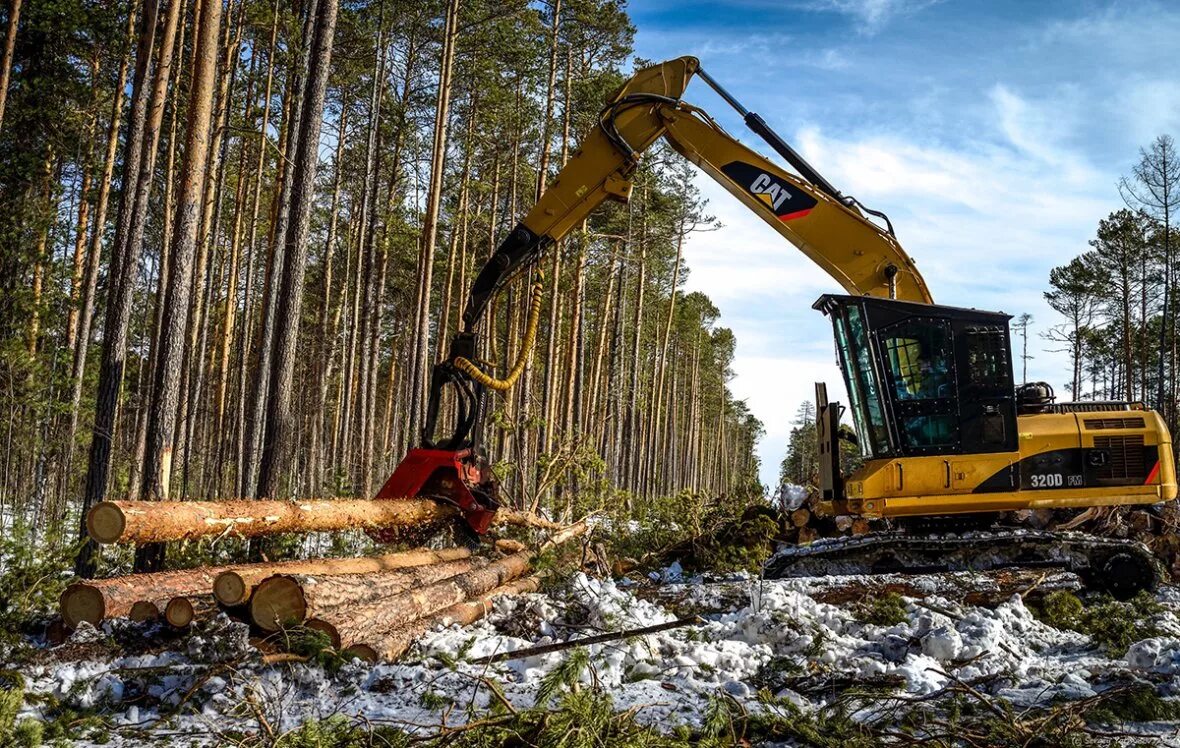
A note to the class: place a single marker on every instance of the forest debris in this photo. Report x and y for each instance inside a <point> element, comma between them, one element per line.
<point>235,585</point>
<point>587,641</point>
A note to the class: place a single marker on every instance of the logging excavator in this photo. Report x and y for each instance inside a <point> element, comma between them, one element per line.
<point>948,438</point>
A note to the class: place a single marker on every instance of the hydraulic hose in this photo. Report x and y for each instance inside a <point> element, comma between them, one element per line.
<point>530,338</point>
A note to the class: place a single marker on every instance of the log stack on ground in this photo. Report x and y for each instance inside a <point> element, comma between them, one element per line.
<point>378,606</point>
<point>93,600</point>
<point>393,644</point>
<point>371,622</point>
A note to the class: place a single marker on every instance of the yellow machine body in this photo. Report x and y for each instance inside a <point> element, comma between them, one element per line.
<point>1066,460</point>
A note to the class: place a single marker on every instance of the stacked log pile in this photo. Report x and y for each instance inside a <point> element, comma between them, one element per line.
<point>370,607</point>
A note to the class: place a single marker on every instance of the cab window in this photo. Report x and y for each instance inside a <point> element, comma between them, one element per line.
<point>918,357</point>
<point>920,378</point>
<point>852,340</point>
<point>987,360</point>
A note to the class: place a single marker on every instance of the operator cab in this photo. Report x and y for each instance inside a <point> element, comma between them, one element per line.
<point>924,379</point>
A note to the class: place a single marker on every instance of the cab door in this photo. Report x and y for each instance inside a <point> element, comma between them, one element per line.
<point>921,384</point>
<point>987,403</point>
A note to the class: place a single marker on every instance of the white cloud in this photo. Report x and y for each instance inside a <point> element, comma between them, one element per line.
<point>871,15</point>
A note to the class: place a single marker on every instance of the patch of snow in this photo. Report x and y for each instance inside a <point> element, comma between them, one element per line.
<point>764,631</point>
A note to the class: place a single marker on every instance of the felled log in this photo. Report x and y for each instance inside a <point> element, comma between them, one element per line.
<point>393,644</point>
<point>183,610</point>
<point>317,624</point>
<point>800,517</point>
<point>143,611</point>
<point>359,623</point>
<point>234,586</point>
<point>92,600</point>
<point>290,599</point>
<point>162,521</point>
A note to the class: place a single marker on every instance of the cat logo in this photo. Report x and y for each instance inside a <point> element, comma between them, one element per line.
<point>771,193</point>
<point>783,198</point>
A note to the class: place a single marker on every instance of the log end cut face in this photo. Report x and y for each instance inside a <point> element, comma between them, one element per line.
<point>82,602</point>
<point>106,522</point>
<point>143,611</point>
<point>229,588</point>
<point>278,602</point>
<point>362,652</point>
<point>319,624</point>
<point>179,612</point>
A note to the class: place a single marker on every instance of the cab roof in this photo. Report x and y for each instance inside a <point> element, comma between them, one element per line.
<point>830,302</point>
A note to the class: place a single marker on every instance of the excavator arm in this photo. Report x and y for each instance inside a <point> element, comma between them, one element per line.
<point>829,228</point>
<point>806,210</point>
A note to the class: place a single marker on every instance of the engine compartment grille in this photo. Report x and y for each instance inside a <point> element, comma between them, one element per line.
<point>1094,424</point>
<point>1126,457</point>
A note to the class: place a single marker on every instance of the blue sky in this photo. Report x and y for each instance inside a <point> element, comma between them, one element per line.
<point>992,133</point>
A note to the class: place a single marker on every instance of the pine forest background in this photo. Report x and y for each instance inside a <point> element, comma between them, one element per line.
<point>235,235</point>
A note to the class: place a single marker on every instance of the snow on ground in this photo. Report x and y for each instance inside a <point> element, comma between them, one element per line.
<point>753,634</point>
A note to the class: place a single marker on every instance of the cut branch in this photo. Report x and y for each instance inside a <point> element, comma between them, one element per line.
<point>587,641</point>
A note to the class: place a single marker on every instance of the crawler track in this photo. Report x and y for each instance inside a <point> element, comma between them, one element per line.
<point>1120,567</point>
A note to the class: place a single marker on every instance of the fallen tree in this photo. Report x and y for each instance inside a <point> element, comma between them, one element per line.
<point>290,599</point>
<point>162,521</point>
<point>235,586</point>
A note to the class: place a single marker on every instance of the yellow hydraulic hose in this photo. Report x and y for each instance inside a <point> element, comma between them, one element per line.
<point>530,338</point>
